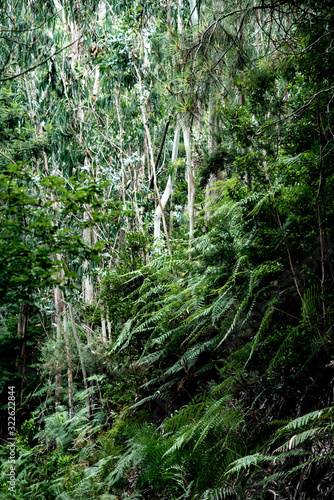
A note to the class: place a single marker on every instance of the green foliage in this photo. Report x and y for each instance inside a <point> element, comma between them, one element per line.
<point>302,447</point>
<point>214,164</point>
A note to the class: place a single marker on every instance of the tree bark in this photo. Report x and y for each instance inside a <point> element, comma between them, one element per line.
<point>88,287</point>
<point>153,163</point>
<point>104,329</point>
<point>168,188</point>
<point>59,308</point>
<point>83,369</point>
<point>121,133</point>
<point>191,181</point>
<point>211,144</point>
<point>193,12</point>
<point>22,330</point>
<point>179,17</point>
<point>69,371</point>
<point>169,14</point>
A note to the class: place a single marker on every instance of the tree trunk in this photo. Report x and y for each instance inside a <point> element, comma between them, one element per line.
<point>211,144</point>
<point>87,282</point>
<point>88,287</point>
<point>179,17</point>
<point>69,371</point>
<point>168,188</point>
<point>121,133</point>
<point>104,329</point>
<point>193,12</point>
<point>191,182</point>
<point>169,14</point>
<point>22,330</point>
<point>153,163</point>
<point>83,369</point>
<point>59,308</point>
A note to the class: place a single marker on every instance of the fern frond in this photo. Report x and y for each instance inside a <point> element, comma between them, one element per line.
<point>245,463</point>
<point>297,439</point>
<point>304,420</point>
<point>159,394</point>
<point>288,340</point>
<point>263,327</point>
<point>124,338</point>
<point>310,302</point>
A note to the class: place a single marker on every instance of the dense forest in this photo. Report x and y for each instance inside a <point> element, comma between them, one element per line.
<point>166,249</point>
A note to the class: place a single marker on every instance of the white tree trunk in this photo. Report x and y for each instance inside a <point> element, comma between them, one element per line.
<point>83,369</point>
<point>150,148</point>
<point>96,82</point>
<point>59,309</point>
<point>191,181</point>
<point>121,134</point>
<point>193,12</point>
<point>69,371</point>
<point>179,18</point>
<point>211,144</point>
<point>168,188</point>
<point>87,284</point>
<point>104,329</point>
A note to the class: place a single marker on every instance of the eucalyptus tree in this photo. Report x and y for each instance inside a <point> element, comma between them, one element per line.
<point>42,52</point>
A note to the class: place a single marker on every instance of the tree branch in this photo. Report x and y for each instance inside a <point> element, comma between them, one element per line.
<point>295,114</point>
<point>17,75</point>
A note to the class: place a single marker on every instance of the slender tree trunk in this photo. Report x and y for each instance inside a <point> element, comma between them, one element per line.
<point>58,297</point>
<point>211,145</point>
<point>59,308</point>
<point>104,329</point>
<point>87,283</point>
<point>22,324</point>
<point>191,181</point>
<point>69,370</point>
<point>279,222</point>
<point>101,16</point>
<point>88,287</point>
<point>153,163</point>
<point>96,82</point>
<point>168,188</point>
<point>121,133</point>
<point>179,17</point>
<point>22,330</point>
<point>109,328</point>
<point>169,14</point>
<point>193,12</point>
<point>83,369</point>
<point>321,130</point>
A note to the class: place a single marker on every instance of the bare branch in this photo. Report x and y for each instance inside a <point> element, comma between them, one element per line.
<point>295,114</point>
<point>17,75</point>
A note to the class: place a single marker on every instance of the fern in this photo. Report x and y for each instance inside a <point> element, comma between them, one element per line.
<point>244,463</point>
<point>296,440</point>
<point>289,339</point>
<point>263,327</point>
<point>310,302</point>
<point>306,419</point>
<point>294,447</point>
<point>125,337</point>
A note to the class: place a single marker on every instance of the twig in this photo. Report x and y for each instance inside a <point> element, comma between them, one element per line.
<point>296,113</point>
<point>17,75</point>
